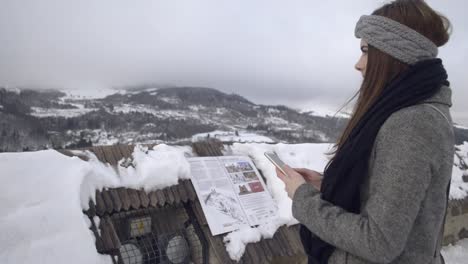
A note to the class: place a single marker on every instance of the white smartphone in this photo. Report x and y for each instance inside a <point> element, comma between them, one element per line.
<point>273,157</point>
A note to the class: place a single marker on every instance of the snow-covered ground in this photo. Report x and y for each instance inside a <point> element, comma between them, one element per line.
<point>228,136</point>
<point>13,89</point>
<point>67,113</point>
<point>456,254</point>
<point>126,108</point>
<point>460,126</point>
<point>91,93</point>
<point>459,188</point>
<point>41,220</point>
<point>176,114</point>
<point>326,111</point>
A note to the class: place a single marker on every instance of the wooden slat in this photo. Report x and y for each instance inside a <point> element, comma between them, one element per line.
<point>134,199</point>
<point>99,154</point>
<point>291,239</point>
<point>110,150</point>
<point>286,246</point>
<point>161,197</point>
<point>144,199</point>
<point>259,251</point>
<point>109,155</point>
<point>182,191</point>
<point>117,154</point>
<point>116,200</point>
<point>91,212</point>
<point>268,254</point>
<point>175,191</point>
<point>153,199</point>
<point>124,198</point>
<point>192,195</point>
<point>100,204</point>
<point>221,249</point>
<point>208,148</point>
<point>130,149</point>
<point>275,246</point>
<point>214,149</point>
<point>251,251</point>
<point>107,201</point>
<point>197,149</point>
<point>292,234</point>
<point>169,195</point>
<point>199,213</point>
<point>124,149</point>
<point>99,244</point>
<point>217,246</point>
<point>113,233</point>
<point>107,241</point>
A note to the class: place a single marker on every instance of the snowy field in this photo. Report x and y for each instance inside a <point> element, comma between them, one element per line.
<point>326,111</point>
<point>67,113</point>
<point>43,194</point>
<point>456,254</point>
<point>228,136</point>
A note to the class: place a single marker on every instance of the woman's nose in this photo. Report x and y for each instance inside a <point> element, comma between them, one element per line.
<point>358,67</point>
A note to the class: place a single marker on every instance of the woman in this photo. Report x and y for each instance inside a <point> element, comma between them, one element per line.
<point>384,193</point>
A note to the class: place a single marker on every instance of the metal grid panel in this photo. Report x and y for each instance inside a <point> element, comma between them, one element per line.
<point>164,236</point>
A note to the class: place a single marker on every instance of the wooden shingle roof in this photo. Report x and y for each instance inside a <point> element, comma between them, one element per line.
<point>115,200</point>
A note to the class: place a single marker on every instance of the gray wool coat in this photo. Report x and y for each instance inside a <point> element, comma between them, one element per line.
<point>403,201</point>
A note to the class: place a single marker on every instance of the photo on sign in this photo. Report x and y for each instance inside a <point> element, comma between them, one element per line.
<point>239,166</point>
<point>250,176</point>
<point>237,178</point>
<point>251,187</point>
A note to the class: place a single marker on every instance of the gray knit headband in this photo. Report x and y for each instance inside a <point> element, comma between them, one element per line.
<point>395,39</point>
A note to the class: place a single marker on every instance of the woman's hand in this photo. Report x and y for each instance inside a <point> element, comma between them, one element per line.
<point>311,177</point>
<point>297,177</point>
<point>292,180</point>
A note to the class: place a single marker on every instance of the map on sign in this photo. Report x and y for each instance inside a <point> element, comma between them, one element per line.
<point>231,192</point>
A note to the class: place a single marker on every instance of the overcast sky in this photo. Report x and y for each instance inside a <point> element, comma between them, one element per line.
<point>297,53</point>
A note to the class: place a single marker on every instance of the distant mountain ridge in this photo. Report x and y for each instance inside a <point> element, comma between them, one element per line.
<point>37,119</point>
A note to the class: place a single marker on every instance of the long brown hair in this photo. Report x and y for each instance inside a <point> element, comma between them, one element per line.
<point>381,67</point>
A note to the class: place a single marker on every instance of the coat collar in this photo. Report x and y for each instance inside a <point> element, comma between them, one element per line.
<point>443,96</point>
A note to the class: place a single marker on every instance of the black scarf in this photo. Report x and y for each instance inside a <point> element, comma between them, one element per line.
<point>343,177</point>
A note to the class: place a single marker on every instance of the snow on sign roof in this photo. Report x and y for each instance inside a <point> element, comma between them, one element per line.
<point>123,157</point>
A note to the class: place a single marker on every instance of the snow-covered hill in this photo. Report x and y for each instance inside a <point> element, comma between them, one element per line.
<point>36,119</point>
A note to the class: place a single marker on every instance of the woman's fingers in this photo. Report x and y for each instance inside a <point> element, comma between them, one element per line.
<point>302,170</point>
<point>280,174</point>
<point>309,174</point>
<point>289,171</point>
<point>292,172</point>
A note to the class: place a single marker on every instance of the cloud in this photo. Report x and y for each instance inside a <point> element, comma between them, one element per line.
<point>296,53</point>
